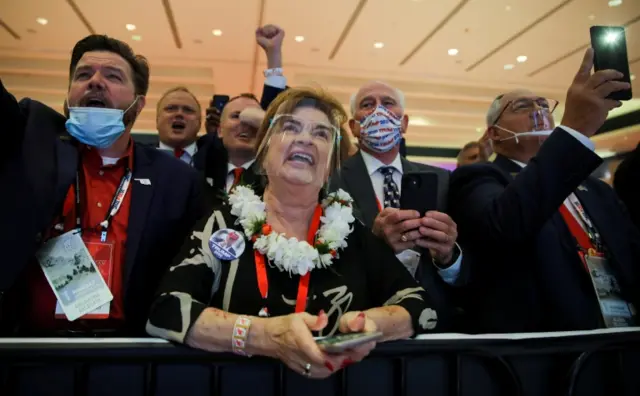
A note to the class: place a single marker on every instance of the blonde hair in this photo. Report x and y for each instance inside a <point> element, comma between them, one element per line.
<point>294,98</point>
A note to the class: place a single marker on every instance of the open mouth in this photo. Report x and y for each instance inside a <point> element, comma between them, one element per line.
<point>301,157</point>
<point>95,102</point>
<point>246,135</point>
<point>178,125</point>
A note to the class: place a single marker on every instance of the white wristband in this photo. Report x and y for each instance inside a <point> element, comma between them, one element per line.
<point>240,335</point>
<point>276,71</point>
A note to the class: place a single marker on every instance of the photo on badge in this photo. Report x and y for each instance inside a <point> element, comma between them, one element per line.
<point>73,275</point>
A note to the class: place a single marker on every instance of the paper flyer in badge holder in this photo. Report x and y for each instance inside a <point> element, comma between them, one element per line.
<point>299,147</point>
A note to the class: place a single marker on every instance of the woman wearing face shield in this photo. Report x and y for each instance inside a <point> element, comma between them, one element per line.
<point>303,267</point>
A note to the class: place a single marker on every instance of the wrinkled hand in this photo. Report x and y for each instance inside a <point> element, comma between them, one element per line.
<point>293,344</point>
<point>399,228</point>
<point>212,119</point>
<point>270,37</point>
<point>439,233</point>
<point>356,322</point>
<point>587,105</point>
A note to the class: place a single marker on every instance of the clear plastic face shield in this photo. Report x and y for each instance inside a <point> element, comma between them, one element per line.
<point>540,118</point>
<point>300,148</point>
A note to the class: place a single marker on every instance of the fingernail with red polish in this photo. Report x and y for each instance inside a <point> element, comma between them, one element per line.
<point>329,366</point>
<point>321,312</point>
<point>346,363</point>
<point>361,315</point>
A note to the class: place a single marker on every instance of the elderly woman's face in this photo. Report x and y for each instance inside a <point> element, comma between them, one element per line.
<point>300,147</point>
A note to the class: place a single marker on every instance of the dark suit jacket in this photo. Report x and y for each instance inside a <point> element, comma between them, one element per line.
<point>627,184</point>
<point>211,146</point>
<point>38,166</point>
<point>525,272</point>
<point>354,178</point>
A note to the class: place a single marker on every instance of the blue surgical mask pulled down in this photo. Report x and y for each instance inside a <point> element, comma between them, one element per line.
<point>95,126</point>
<point>381,130</point>
<point>541,126</point>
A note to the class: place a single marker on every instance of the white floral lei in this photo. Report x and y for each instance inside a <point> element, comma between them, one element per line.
<point>290,254</point>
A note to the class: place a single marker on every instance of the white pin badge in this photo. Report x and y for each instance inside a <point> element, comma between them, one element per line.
<point>227,244</point>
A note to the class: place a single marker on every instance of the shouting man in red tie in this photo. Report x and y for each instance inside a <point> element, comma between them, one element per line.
<point>178,121</point>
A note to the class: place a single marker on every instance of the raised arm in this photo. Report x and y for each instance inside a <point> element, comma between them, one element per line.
<point>13,121</point>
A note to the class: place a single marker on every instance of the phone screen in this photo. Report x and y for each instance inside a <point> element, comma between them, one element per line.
<point>219,101</point>
<point>609,45</point>
<point>419,191</point>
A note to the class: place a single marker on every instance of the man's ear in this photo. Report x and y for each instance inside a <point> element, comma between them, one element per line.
<point>492,133</point>
<point>140,103</point>
<point>405,124</point>
<point>355,128</point>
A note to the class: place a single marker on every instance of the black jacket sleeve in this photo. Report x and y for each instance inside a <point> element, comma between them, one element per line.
<point>269,93</point>
<point>13,122</point>
<point>627,184</point>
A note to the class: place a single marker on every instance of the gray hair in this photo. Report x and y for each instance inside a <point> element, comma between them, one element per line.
<point>399,94</point>
<point>494,110</point>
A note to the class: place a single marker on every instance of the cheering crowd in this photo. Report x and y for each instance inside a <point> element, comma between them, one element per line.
<point>284,222</point>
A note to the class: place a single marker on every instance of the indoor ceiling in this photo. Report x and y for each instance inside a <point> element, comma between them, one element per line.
<point>450,57</point>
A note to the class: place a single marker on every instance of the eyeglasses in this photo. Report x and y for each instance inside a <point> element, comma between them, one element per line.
<point>528,105</point>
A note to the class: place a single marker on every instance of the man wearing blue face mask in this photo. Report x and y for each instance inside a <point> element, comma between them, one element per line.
<point>552,249</point>
<point>373,178</point>
<point>91,217</point>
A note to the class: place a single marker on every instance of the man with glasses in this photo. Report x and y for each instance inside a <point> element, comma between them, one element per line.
<point>550,247</point>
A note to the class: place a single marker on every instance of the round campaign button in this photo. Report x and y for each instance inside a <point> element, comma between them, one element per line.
<point>227,244</point>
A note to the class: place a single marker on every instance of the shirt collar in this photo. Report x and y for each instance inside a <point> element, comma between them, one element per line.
<point>91,155</point>
<point>246,165</point>
<point>373,164</point>
<point>190,149</point>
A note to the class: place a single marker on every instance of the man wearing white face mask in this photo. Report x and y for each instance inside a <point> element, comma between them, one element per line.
<point>552,249</point>
<point>373,178</point>
<point>105,213</point>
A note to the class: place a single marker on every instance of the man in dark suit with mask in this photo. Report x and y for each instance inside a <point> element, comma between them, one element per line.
<point>373,178</point>
<point>82,176</point>
<point>551,247</point>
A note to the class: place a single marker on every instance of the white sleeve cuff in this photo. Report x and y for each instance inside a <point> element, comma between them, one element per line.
<point>450,275</point>
<point>276,81</point>
<point>581,138</point>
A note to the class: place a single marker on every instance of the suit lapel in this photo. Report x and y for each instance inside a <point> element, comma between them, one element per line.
<point>358,182</point>
<point>507,165</point>
<point>141,195</point>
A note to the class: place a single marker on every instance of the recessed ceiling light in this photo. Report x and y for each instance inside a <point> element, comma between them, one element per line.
<point>507,8</point>
<point>135,37</point>
<point>299,39</point>
<point>378,45</point>
<point>478,129</point>
<point>614,3</point>
<point>130,27</point>
<point>521,59</point>
<point>42,21</point>
<point>419,121</point>
<point>633,77</point>
<point>217,32</point>
<point>453,52</point>
<point>508,66</point>
<point>592,17</point>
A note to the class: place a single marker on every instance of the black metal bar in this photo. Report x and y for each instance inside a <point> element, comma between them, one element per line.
<point>150,383</point>
<point>81,379</point>
<point>215,380</point>
<point>279,387</point>
<point>507,368</point>
<point>399,378</point>
<point>341,382</point>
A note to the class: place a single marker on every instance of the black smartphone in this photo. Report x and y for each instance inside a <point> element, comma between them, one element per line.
<point>609,45</point>
<point>219,101</point>
<point>419,191</point>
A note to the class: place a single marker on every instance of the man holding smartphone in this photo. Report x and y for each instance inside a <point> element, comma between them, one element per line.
<point>551,247</point>
<point>373,178</point>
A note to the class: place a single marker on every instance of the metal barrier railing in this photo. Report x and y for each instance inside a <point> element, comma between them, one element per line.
<point>575,363</point>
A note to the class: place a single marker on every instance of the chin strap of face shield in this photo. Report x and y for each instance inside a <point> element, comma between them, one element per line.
<point>540,121</point>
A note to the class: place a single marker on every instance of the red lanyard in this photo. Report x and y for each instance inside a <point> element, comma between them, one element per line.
<point>303,285</point>
<point>578,233</point>
<point>379,206</point>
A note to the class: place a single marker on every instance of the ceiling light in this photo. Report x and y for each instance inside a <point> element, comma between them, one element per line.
<point>453,52</point>
<point>507,8</point>
<point>633,77</point>
<point>217,32</point>
<point>130,27</point>
<point>508,66</point>
<point>478,129</point>
<point>614,3</point>
<point>299,39</point>
<point>378,45</point>
<point>592,17</point>
<point>42,21</point>
<point>521,59</point>
<point>135,37</point>
<point>418,121</point>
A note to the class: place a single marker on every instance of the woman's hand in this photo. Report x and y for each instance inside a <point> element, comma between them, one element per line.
<point>356,322</point>
<point>291,341</point>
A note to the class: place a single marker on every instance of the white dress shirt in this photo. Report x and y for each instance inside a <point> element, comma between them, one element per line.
<point>410,258</point>
<point>231,176</point>
<point>588,144</point>
<point>187,156</point>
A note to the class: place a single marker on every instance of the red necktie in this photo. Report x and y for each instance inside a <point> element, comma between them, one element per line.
<point>178,152</point>
<point>237,173</point>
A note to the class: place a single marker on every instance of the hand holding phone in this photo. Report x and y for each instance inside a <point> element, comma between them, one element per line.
<point>343,342</point>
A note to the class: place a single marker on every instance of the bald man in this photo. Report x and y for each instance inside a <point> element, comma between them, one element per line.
<point>424,243</point>
<point>551,247</point>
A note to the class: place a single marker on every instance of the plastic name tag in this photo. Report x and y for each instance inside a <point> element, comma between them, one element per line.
<point>73,275</point>
<point>616,312</point>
